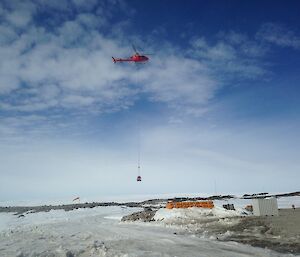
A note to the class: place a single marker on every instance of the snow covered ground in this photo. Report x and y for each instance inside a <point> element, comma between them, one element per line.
<point>99,232</point>
<point>196,214</point>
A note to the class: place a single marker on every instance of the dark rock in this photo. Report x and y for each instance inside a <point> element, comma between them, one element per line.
<point>69,254</point>
<point>145,216</point>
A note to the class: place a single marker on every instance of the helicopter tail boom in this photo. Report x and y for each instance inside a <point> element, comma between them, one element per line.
<point>122,60</point>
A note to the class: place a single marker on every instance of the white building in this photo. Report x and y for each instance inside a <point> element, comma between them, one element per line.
<point>265,206</point>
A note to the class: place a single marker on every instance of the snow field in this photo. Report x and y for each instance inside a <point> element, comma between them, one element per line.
<point>99,232</point>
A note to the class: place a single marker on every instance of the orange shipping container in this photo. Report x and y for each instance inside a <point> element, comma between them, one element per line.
<point>205,204</point>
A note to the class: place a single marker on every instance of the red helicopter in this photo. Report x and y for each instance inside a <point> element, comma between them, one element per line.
<point>137,58</point>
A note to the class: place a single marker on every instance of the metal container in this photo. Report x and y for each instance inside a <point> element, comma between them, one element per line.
<point>265,206</point>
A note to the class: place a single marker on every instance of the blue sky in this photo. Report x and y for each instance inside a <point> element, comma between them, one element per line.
<point>218,102</point>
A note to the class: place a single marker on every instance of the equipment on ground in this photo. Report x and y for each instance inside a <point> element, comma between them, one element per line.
<point>229,206</point>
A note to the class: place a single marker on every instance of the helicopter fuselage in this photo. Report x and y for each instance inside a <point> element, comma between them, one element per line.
<point>134,58</point>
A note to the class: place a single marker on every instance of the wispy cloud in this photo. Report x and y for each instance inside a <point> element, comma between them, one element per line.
<point>182,83</point>
<point>49,68</point>
<point>279,34</point>
<point>69,66</point>
<point>233,56</point>
<point>63,61</point>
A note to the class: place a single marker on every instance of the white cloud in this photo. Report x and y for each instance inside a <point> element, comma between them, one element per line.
<point>78,100</point>
<point>78,62</point>
<point>73,59</point>
<point>279,35</point>
<point>178,81</point>
<point>243,44</point>
<point>233,56</point>
<point>91,21</point>
<point>7,35</point>
<point>8,83</point>
<point>19,19</point>
<point>28,107</point>
<point>234,37</point>
<point>220,51</point>
<point>19,13</point>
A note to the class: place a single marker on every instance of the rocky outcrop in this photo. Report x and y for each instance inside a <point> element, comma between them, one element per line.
<point>145,216</point>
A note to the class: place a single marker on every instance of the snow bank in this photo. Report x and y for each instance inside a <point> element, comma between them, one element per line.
<point>195,213</point>
<point>6,219</point>
<point>11,221</point>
